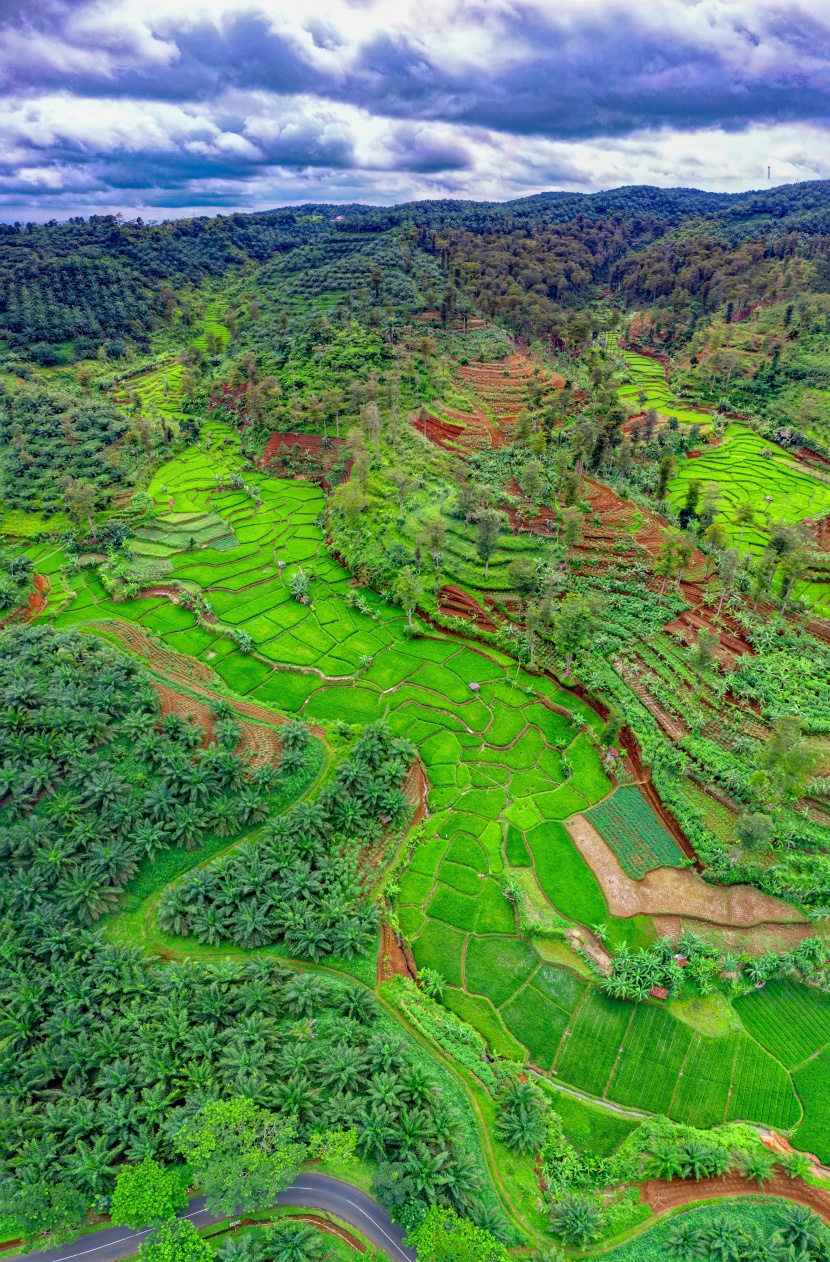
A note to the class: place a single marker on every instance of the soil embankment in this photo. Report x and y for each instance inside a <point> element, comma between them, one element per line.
<point>667,1194</point>
<point>676,892</point>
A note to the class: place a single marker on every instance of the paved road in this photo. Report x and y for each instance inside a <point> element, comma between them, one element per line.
<point>313,1191</point>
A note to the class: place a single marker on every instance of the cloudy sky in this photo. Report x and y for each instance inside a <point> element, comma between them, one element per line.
<point>164,107</point>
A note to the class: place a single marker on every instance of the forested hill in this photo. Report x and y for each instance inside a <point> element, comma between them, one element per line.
<point>67,289</point>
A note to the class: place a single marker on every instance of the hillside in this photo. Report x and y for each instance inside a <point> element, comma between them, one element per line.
<point>416,724</point>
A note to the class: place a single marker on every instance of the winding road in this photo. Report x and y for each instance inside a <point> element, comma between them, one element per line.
<point>312,1191</point>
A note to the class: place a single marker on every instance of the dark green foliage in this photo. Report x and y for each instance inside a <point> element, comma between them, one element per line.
<point>49,434</point>
<point>631,828</point>
<point>300,881</point>
<point>132,1048</point>
<point>97,782</point>
<point>523,1117</point>
<point>15,579</point>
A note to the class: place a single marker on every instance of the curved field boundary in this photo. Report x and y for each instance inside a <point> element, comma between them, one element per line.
<point>664,1195</point>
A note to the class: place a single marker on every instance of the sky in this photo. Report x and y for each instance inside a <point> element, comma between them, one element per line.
<point>163,108</point>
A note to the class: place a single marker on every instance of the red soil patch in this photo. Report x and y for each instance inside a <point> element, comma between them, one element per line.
<point>35,603</point>
<point>171,593</point>
<point>811,457</point>
<point>666,1194</point>
<point>731,643</point>
<point>37,598</point>
<point>306,444</point>
<point>394,958</point>
<point>454,603</point>
<point>442,433</point>
<point>260,744</point>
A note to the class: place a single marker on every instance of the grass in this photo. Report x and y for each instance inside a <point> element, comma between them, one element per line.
<point>564,875</point>
<point>634,833</point>
<point>789,1020</point>
<point>590,1129</point>
<point>538,1023</point>
<point>702,1093</point>
<point>465,849</point>
<point>495,913</point>
<point>646,1075</point>
<point>743,473</point>
<point>589,779</point>
<point>813,1135</point>
<point>481,1014</point>
<point>460,877</point>
<point>496,967</point>
<point>453,908</point>
<point>515,848</point>
<point>560,986</point>
<point>594,1041</point>
<point>440,946</point>
<point>762,1090</point>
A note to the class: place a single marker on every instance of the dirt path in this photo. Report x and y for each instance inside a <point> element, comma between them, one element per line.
<point>675,891</point>
<point>667,1194</point>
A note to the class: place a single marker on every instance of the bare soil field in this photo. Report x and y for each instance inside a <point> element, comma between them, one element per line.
<point>674,891</point>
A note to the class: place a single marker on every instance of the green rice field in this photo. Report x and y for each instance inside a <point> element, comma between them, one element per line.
<point>649,379</point>
<point>746,467</point>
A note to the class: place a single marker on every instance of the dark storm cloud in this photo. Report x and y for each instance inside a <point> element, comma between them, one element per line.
<point>576,75</point>
<point>178,107</point>
<point>610,74</point>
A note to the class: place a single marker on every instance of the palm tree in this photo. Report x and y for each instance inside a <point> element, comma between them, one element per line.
<point>385,1091</point>
<point>426,1170</point>
<point>304,994</point>
<point>251,925</point>
<point>92,1166</point>
<point>757,1164</point>
<point>577,1219</point>
<point>294,1242</point>
<point>684,1241</point>
<point>345,1069</point>
<point>666,1161</point>
<point>723,1239</point>
<point>375,1134</point>
<point>462,1181</point>
<point>802,1230</point>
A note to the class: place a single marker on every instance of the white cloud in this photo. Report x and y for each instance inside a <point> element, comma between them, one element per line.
<point>134,104</point>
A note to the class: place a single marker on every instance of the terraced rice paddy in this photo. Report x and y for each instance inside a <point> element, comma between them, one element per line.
<point>649,380</point>
<point>746,467</point>
<point>158,388</point>
<point>508,758</point>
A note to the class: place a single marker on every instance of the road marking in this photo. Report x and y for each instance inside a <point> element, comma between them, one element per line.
<point>298,1188</point>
